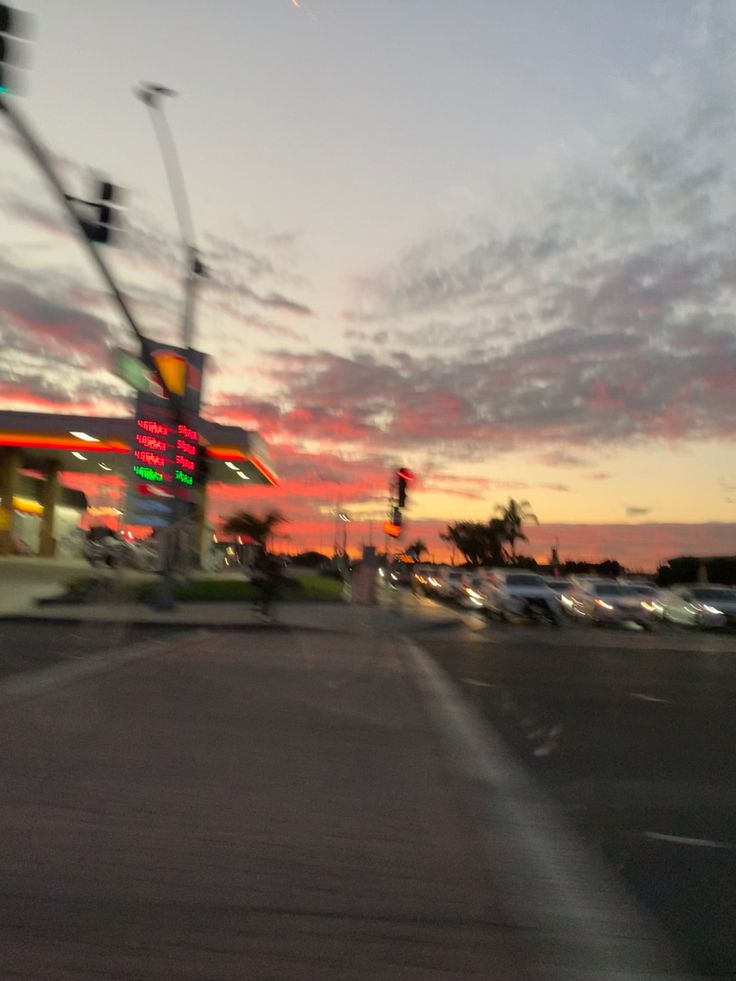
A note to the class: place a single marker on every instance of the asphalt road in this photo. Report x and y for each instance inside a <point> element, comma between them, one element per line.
<point>635,735</point>
<point>220,808</point>
<point>31,646</point>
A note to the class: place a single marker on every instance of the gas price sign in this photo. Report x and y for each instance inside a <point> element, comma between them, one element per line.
<point>164,464</point>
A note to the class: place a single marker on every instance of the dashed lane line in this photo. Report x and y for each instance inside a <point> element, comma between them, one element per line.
<point>478,684</point>
<point>649,698</point>
<point>684,840</point>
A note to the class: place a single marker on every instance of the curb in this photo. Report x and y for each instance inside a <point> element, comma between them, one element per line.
<point>68,621</point>
<point>399,623</point>
<point>583,922</point>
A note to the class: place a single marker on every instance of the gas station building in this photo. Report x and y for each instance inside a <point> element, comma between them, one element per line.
<point>38,449</point>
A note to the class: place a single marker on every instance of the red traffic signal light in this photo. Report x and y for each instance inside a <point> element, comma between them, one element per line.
<point>403,476</point>
<point>391,529</point>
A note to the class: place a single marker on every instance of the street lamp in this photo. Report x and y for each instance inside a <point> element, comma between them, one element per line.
<point>152,96</point>
<point>327,479</point>
<point>345,518</point>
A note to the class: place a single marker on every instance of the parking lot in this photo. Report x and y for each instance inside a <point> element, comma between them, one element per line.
<point>518,595</point>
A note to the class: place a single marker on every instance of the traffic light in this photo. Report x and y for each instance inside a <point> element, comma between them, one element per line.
<point>403,476</point>
<point>13,28</point>
<point>104,226</point>
<point>105,208</point>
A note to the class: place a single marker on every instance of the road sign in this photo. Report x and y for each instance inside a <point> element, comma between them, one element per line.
<point>132,370</point>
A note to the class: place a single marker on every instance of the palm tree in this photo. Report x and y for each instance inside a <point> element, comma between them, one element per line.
<point>417,547</point>
<point>513,515</point>
<point>251,526</point>
<point>481,544</point>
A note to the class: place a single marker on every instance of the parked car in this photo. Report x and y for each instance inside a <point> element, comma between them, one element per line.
<point>559,586</point>
<point>474,590</point>
<point>647,590</point>
<point>511,593</point>
<point>446,582</point>
<point>607,601</point>
<point>105,547</point>
<point>697,605</point>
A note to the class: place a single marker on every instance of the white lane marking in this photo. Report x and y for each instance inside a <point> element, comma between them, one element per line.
<point>649,698</point>
<point>682,840</point>
<point>478,684</point>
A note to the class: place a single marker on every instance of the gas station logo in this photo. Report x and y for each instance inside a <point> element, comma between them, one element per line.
<point>173,370</point>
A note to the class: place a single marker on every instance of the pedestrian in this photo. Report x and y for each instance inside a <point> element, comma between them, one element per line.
<point>266,575</point>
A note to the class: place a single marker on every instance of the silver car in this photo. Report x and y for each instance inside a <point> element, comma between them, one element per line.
<point>697,605</point>
<point>607,601</point>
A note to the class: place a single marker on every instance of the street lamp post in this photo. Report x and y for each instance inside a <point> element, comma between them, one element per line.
<point>345,518</point>
<point>152,96</point>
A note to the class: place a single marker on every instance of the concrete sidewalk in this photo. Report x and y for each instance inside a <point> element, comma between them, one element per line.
<point>33,594</point>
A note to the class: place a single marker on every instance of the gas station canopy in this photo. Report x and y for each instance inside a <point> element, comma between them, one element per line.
<point>83,444</point>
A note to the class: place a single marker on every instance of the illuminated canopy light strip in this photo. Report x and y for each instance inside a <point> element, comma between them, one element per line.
<point>271,478</point>
<point>32,441</point>
<point>225,453</point>
<point>231,453</point>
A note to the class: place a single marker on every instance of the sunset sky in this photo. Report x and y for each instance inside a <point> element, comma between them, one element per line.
<point>491,240</point>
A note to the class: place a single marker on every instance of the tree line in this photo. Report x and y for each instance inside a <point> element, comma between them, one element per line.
<point>493,542</point>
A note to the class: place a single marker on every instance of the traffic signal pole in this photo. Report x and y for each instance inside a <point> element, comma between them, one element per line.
<point>165,597</point>
<point>37,151</point>
<point>95,233</point>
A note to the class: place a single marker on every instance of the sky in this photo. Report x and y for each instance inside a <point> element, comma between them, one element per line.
<point>491,240</point>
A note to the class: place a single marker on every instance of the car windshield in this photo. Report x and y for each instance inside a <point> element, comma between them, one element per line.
<point>524,580</point>
<point>615,590</point>
<point>645,590</point>
<point>724,595</point>
<point>559,585</point>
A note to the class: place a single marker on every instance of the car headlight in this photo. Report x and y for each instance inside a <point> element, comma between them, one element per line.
<point>712,609</point>
<point>602,603</point>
